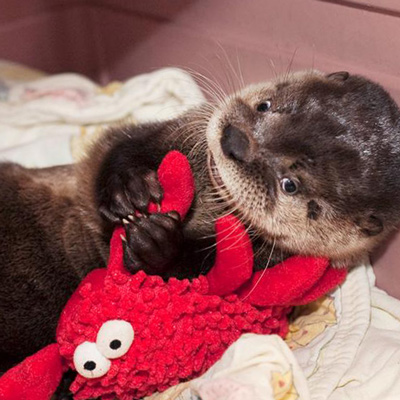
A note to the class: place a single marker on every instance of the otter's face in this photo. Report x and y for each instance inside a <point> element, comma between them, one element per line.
<point>303,161</point>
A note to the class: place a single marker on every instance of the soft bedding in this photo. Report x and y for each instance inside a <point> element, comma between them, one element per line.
<point>357,357</point>
<point>49,120</point>
<point>345,346</point>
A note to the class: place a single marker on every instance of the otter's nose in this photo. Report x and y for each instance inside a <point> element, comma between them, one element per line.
<point>235,143</point>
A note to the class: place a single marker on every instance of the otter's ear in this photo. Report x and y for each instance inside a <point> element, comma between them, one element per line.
<point>338,76</point>
<point>370,225</point>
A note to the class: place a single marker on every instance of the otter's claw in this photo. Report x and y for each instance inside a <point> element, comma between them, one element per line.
<point>152,243</point>
<point>128,192</point>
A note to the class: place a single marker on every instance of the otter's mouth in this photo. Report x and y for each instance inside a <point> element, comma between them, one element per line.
<point>213,172</point>
<point>234,207</point>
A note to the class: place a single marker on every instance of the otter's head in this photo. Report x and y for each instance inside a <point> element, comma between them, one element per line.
<point>311,161</point>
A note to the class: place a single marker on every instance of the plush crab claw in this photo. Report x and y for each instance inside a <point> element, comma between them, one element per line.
<point>297,280</point>
<point>36,378</point>
<point>234,259</point>
<point>329,280</point>
<point>175,177</point>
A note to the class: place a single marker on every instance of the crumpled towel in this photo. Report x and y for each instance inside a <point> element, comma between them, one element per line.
<point>256,367</point>
<point>356,353</point>
<point>39,119</point>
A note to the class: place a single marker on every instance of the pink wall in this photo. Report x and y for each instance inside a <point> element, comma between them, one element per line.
<point>47,34</point>
<point>138,36</point>
<point>115,39</point>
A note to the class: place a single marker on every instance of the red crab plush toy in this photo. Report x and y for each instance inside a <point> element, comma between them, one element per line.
<point>129,336</point>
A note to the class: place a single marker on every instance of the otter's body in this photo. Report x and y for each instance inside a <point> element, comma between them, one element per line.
<point>308,162</point>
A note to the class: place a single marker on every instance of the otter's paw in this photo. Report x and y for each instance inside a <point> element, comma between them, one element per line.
<point>127,192</point>
<point>153,243</point>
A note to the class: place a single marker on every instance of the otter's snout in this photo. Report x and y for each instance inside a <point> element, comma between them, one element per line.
<point>235,144</point>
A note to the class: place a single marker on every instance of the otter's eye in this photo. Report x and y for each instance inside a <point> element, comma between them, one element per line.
<point>263,107</point>
<point>115,338</point>
<point>289,186</point>
<point>89,362</point>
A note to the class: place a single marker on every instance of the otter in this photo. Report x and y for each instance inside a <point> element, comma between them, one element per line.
<point>308,161</point>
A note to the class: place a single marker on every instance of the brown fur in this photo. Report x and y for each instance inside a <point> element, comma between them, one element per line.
<point>337,136</point>
<point>327,134</point>
<point>39,220</point>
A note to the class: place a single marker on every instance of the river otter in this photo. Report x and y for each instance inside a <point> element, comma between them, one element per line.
<point>308,161</point>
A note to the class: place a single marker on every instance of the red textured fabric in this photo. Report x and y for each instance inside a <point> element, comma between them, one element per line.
<point>175,177</point>
<point>180,328</point>
<point>234,266</point>
<point>296,281</point>
<point>180,331</point>
<point>329,280</point>
<point>285,281</point>
<point>36,378</point>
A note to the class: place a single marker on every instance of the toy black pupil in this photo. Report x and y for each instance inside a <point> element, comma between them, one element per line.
<point>90,365</point>
<point>115,344</point>
<point>290,186</point>
<point>263,107</point>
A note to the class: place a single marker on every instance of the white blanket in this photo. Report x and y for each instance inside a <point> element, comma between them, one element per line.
<point>38,119</point>
<point>359,356</point>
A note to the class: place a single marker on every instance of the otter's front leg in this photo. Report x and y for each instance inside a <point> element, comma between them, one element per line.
<point>123,188</point>
<point>125,185</point>
<point>153,243</point>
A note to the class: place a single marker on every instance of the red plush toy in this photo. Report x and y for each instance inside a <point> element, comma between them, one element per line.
<point>129,336</point>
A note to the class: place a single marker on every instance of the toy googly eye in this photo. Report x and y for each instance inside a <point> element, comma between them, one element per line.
<point>115,338</point>
<point>89,362</point>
